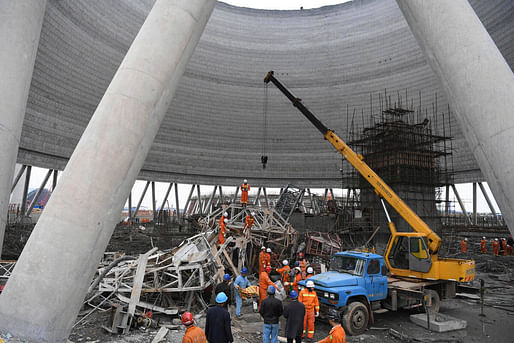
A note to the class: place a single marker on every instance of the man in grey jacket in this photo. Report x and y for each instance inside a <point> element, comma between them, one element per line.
<point>294,312</point>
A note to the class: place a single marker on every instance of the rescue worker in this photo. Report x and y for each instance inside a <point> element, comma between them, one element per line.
<point>294,313</point>
<point>193,333</point>
<point>270,311</point>
<point>303,264</point>
<point>504,246</point>
<point>284,274</point>
<point>245,187</point>
<point>310,272</point>
<point>268,257</point>
<point>310,299</point>
<point>482,245</point>
<point>240,283</point>
<point>263,259</point>
<point>496,247</point>
<point>223,232</point>
<point>510,245</point>
<point>264,283</point>
<point>217,322</point>
<point>248,224</point>
<point>222,218</point>
<point>224,286</point>
<point>464,245</point>
<point>336,334</point>
<point>297,278</point>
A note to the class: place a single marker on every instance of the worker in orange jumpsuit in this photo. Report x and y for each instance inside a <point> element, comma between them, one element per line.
<point>245,188</point>
<point>193,333</point>
<point>310,272</point>
<point>223,232</point>
<point>496,247</point>
<point>264,283</point>
<point>222,218</point>
<point>482,246</point>
<point>504,246</point>
<point>248,224</point>
<point>303,264</point>
<point>336,334</point>
<point>297,278</point>
<point>310,299</point>
<point>284,273</point>
<point>264,260</point>
<point>464,245</point>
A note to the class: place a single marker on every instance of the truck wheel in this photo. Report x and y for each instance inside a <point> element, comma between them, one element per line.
<point>432,300</point>
<point>355,319</point>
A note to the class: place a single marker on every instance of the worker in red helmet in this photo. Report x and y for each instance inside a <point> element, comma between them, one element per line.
<point>264,283</point>
<point>193,333</point>
<point>245,188</point>
<point>303,264</point>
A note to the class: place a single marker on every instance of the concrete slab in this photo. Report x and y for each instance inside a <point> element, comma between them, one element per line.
<point>439,322</point>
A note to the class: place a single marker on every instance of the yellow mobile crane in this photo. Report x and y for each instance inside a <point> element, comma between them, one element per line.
<point>409,254</point>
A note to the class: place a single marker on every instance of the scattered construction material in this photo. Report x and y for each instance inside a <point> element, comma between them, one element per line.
<point>438,322</point>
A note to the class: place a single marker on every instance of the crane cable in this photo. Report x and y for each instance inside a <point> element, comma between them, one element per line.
<point>264,157</point>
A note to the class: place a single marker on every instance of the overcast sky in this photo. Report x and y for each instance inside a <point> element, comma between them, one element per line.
<point>283,4</point>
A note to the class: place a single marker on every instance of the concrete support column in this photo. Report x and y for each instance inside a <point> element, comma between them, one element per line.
<point>20,27</point>
<point>478,82</point>
<point>45,292</point>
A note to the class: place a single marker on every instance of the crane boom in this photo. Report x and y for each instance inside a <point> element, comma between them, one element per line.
<point>356,160</point>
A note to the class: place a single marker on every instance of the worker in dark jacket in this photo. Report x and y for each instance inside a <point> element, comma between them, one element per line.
<point>224,287</point>
<point>271,310</point>
<point>217,323</point>
<point>295,313</point>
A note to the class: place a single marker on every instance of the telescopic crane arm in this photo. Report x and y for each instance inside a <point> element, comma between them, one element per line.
<point>356,160</point>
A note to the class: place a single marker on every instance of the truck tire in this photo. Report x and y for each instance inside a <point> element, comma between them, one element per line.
<point>432,300</point>
<point>355,319</point>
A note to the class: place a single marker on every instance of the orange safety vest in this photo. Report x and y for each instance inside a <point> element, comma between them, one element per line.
<point>244,193</point>
<point>463,246</point>
<point>308,276</point>
<point>284,273</point>
<point>482,245</point>
<point>336,335</point>
<point>249,221</point>
<point>194,335</point>
<point>221,237</point>
<point>221,221</point>
<point>496,247</point>
<point>303,267</point>
<point>309,299</point>
<point>297,278</point>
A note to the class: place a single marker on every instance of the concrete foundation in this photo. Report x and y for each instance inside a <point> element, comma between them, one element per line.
<point>45,292</point>
<point>438,322</point>
<point>20,28</point>
<point>478,82</point>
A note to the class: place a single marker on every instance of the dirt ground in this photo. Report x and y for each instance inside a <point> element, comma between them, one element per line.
<point>497,325</point>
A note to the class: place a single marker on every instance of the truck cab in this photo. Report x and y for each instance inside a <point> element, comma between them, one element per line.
<point>355,284</point>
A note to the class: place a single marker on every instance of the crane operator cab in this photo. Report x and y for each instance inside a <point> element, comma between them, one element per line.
<point>410,253</point>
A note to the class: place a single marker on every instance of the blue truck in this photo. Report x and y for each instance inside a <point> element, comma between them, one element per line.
<point>357,283</point>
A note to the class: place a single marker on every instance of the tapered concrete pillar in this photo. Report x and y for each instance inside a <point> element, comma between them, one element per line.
<point>478,82</point>
<point>44,294</point>
<point>20,27</point>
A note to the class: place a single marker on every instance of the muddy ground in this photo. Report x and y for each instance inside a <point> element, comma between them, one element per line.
<point>497,325</point>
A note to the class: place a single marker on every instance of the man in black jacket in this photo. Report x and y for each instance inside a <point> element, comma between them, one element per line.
<point>271,310</point>
<point>224,287</point>
<point>217,323</point>
<point>294,312</point>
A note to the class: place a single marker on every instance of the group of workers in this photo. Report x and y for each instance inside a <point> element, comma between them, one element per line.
<point>302,306</point>
<point>223,222</point>
<point>498,245</point>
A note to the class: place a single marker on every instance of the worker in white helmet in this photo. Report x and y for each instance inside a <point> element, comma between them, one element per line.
<point>482,245</point>
<point>245,188</point>
<point>310,272</point>
<point>284,274</point>
<point>222,218</point>
<point>250,218</point>
<point>264,260</point>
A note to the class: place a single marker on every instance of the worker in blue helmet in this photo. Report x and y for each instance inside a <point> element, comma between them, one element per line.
<point>240,284</point>
<point>294,313</point>
<point>224,286</point>
<point>217,323</point>
<point>270,311</point>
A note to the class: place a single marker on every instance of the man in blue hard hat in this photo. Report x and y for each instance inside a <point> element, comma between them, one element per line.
<point>271,310</point>
<point>224,286</point>
<point>240,283</point>
<point>294,313</point>
<point>217,323</point>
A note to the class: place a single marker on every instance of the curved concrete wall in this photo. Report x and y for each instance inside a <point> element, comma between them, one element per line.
<point>213,132</point>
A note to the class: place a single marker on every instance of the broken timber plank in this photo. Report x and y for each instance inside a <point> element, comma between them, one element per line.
<point>163,331</point>
<point>229,260</point>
